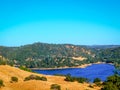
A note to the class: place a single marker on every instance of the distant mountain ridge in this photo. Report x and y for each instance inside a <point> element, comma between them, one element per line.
<point>45,55</point>
<point>104,46</point>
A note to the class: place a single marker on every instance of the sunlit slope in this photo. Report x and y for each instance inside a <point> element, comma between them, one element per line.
<point>6,72</point>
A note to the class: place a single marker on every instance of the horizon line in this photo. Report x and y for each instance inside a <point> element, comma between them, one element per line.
<point>61,44</point>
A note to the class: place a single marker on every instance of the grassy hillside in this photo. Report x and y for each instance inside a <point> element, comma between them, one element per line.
<point>6,72</point>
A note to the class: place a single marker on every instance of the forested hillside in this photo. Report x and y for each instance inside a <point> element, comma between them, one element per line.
<point>45,55</point>
<point>110,55</point>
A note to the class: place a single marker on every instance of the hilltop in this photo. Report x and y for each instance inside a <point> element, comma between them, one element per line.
<point>6,72</point>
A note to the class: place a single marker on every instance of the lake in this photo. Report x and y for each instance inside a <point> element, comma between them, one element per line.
<point>101,71</point>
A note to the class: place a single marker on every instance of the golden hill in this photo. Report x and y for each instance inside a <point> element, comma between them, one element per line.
<point>6,72</point>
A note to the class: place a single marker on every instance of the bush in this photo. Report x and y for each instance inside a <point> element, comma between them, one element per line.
<point>35,77</point>
<point>91,86</point>
<point>31,77</point>
<point>14,79</point>
<point>25,69</point>
<point>96,80</point>
<point>69,78</point>
<point>82,80</point>
<point>1,83</point>
<point>55,87</point>
<point>43,78</point>
<point>78,79</point>
<point>27,78</point>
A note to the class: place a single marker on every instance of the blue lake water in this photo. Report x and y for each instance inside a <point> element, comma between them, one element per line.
<point>101,71</point>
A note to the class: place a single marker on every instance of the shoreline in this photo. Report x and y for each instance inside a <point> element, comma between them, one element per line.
<point>66,67</point>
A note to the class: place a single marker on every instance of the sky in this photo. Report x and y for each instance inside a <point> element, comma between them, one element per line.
<point>79,22</point>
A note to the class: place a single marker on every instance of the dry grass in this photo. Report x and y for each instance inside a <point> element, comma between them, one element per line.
<point>6,72</point>
<point>79,58</point>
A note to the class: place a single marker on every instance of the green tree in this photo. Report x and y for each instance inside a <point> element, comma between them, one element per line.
<point>69,78</point>
<point>112,83</point>
<point>96,80</point>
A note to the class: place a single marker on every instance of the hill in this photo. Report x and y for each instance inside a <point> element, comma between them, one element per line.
<point>6,72</point>
<point>43,55</point>
<point>46,55</point>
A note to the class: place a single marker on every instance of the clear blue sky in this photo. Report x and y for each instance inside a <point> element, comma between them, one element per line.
<point>83,22</point>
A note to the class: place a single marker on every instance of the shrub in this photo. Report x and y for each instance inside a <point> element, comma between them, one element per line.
<point>69,78</point>
<point>91,86</point>
<point>43,78</point>
<point>27,78</point>
<point>14,79</point>
<point>35,77</point>
<point>96,80</point>
<point>1,83</point>
<point>55,87</point>
<point>78,79</point>
<point>31,77</point>
<point>82,80</point>
<point>25,69</point>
